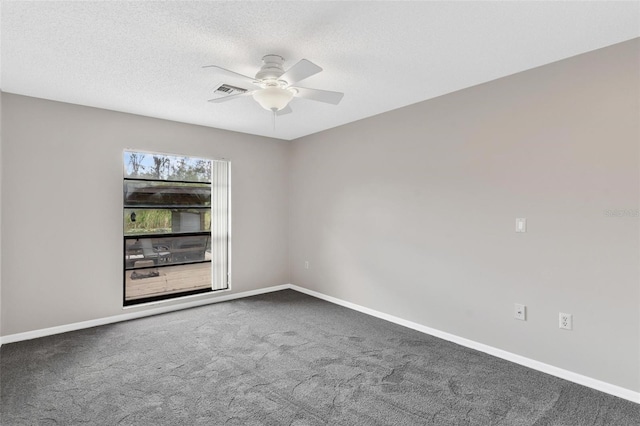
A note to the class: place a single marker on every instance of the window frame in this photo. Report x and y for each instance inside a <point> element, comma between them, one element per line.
<point>210,234</point>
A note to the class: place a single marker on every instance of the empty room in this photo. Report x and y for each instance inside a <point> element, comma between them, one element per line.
<point>319,213</point>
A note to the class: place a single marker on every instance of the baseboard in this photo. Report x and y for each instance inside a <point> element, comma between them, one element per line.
<point>518,359</point>
<point>34,334</point>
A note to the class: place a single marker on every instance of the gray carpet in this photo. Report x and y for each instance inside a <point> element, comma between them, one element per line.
<point>280,359</point>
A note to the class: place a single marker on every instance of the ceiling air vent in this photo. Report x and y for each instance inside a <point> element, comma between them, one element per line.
<point>228,90</point>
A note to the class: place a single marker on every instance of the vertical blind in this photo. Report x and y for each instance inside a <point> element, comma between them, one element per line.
<point>220,223</point>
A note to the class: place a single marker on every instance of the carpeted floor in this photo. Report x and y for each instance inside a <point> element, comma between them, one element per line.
<point>280,359</point>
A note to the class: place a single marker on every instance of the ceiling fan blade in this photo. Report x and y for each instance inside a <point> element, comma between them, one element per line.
<point>300,71</point>
<point>230,98</point>
<point>233,74</point>
<point>319,95</point>
<point>285,110</point>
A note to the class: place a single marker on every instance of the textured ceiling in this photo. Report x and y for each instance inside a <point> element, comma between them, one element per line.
<point>146,57</point>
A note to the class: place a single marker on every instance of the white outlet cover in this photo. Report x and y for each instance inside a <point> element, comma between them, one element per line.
<point>520,312</point>
<point>566,321</point>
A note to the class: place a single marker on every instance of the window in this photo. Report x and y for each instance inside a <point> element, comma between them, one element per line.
<point>176,226</point>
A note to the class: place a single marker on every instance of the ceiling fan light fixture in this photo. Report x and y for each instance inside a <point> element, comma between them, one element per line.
<point>273,87</point>
<point>273,98</point>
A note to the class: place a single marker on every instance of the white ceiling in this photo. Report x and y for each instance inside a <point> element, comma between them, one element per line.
<point>146,57</point>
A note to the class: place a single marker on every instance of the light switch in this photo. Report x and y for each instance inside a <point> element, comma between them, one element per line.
<point>520,312</point>
<point>521,224</point>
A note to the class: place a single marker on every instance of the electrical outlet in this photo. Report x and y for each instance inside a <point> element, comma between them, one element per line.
<point>520,312</point>
<point>566,321</point>
<point>306,264</point>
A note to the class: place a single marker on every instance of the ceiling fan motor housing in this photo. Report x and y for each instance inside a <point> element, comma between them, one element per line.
<point>271,69</point>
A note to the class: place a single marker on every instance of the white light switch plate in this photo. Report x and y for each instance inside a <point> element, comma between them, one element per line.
<point>521,224</point>
<point>520,312</point>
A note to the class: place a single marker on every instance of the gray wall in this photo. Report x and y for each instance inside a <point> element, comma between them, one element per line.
<point>62,207</point>
<point>412,213</point>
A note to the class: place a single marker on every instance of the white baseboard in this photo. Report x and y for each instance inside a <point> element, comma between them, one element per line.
<point>34,334</point>
<point>518,359</point>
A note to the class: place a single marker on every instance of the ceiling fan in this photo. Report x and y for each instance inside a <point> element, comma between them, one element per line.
<point>275,87</point>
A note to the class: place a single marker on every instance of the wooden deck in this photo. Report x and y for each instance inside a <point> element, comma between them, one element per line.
<point>172,279</point>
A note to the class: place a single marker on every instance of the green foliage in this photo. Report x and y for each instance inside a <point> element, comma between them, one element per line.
<point>166,167</point>
<point>148,222</point>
